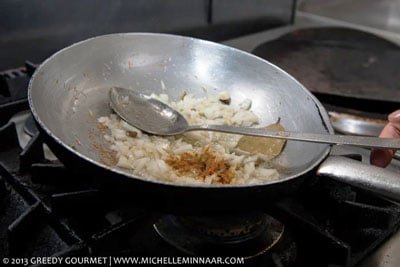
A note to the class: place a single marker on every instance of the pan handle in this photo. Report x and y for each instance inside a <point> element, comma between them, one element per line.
<point>368,177</point>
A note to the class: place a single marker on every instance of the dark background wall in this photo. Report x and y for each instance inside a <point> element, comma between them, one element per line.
<point>33,30</point>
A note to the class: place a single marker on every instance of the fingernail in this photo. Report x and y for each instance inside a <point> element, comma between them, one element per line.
<point>394,116</point>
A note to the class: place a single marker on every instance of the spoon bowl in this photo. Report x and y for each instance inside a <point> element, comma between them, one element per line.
<point>146,113</point>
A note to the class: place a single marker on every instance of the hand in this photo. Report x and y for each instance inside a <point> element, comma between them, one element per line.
<point>382,157</point>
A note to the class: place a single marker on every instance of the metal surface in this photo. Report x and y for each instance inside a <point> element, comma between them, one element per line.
<point>338,61</point>
<point>66,96</point>
<point>228,11</point>
<point>304,20</point>
<point>221,235</point>
<point>155,117</point>
<point>68,91</point>
<point>375,179</point>
<point>352,124</point>
<point>146,113</point>
<point>382,14</point>
<point>357,125</point>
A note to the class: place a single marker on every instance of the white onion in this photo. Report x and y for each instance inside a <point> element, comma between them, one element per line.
<point>145,154</point>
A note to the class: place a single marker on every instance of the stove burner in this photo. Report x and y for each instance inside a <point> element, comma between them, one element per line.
<point>248,235</point>
<point>340,66</point>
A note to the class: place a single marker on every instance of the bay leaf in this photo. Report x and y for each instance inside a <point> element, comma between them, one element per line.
<point>269,148</point>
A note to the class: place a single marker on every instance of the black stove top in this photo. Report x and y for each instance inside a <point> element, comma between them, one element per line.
<point>340,65</point>
<point>48,212</point>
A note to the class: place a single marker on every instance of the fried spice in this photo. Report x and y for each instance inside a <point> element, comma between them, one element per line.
<point>203,164</point>
<point>106,156</point>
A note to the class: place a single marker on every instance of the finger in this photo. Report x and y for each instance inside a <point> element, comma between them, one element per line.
<point>394,117</point>
<point>382,157</point>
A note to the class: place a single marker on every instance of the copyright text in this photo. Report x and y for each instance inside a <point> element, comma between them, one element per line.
<point>110,261</point>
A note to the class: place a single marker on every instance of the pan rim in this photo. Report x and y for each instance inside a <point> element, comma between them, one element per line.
<point>321,110</point>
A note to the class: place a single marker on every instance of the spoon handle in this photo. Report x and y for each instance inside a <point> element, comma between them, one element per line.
<point>361,141</point>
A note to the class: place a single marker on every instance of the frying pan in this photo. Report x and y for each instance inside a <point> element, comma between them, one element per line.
<point>69,91</point>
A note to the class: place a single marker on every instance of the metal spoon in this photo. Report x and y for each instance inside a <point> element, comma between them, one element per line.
<point>153,116</point>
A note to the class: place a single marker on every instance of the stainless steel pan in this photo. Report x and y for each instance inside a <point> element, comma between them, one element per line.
<point>68,92</point>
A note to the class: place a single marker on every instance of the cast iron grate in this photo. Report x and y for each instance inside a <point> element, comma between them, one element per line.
<point>337,223</point>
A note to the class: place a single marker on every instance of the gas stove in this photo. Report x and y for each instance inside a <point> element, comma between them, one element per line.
<point>48,212</point>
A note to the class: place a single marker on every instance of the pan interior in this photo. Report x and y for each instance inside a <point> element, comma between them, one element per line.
<point>70,90</point>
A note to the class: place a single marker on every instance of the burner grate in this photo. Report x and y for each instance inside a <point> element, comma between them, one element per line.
<point>343,227</point>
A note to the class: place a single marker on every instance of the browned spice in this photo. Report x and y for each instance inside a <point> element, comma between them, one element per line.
<point>106,156</point>
<point>203,164</point>
<point>103,128</point>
